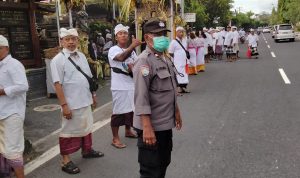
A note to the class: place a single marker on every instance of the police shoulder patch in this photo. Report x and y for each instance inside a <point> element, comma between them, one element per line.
<point>145,70</point>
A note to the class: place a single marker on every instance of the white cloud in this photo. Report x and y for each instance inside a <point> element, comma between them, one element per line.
<point>256,6</point>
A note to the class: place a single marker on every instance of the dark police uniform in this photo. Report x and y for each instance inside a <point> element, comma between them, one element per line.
<point>155,95</point>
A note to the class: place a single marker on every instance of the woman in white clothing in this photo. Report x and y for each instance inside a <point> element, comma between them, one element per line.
<point>201,51</point>
<point>193,50</point>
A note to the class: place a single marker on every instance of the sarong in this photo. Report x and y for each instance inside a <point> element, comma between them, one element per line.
<point>123,101</point>
<point>122,119</point>
<point>11,144</point>
<point>80,125</point>
<point>219,50</point>
<point>73,144</point>
<point>193,60</point>
<point>200,59</point>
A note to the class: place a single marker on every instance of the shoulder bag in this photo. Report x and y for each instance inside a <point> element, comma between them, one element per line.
<point>187,53</point>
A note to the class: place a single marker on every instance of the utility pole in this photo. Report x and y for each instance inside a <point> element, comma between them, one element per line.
<point>172,18</point>
<point>182,8</point>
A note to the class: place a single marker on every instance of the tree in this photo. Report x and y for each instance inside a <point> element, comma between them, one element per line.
<point>198,8</point>
<point>291,13</point>
<point>217,8</point>
<point>274,17</point>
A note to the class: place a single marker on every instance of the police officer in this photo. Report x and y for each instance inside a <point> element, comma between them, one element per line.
<point>156,109</point>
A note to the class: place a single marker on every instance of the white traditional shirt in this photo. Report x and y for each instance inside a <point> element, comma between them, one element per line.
<point>252,40</point>
<point>180,59</point>
<point>75,85</point>
<point>242,33</point>
<point>220,39</point>
<point>14,82</point>
<point>209,39</point>
<point>121,81</point>
<point>236,37</point>
<point>228,38</point>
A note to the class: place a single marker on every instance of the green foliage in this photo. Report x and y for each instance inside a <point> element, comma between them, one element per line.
<point>291,13</point>
<point>193,6</point>
<point>99,26</point>
<point>209,10</point>
<point>217,8</point>
<point>274,17</point>
<point>288,11</point>
<point>250,20</point>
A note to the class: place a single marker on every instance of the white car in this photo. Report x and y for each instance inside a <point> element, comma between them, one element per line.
<point>266,30</point>
<point>284,32</point>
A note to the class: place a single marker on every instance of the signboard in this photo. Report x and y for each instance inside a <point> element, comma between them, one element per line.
<point>15,27</point>
<point>190,17</point>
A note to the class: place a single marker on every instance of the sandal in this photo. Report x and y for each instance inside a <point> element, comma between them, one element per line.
<point>131,136</point>
<point>118,145</point>
<point>93,154</point>
<point>70,168</point>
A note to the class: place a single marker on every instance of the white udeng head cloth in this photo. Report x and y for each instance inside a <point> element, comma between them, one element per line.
<point>3,41</point>
<point>180,29</point>
<point>71,32</point>
<point>121,27</point>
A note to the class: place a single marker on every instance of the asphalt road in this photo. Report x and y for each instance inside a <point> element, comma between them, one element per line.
<point>240,121</point>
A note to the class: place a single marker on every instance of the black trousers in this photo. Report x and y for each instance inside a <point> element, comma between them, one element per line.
<point>154,160</point>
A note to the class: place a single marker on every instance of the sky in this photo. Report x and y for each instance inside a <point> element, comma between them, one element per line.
<point>256,6</point>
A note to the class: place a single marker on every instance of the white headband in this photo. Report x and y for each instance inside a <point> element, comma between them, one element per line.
<point>3,41</point>
<point>121,27</point>
<point>180,29</point>
<point>64,32</point>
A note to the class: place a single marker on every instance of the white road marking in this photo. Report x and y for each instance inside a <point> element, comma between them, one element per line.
<point>54,151</point>
<point>269,46</point>
<point>273,54</point>
<point>266,41</point>
<point>284,76</point>
<point>58,130</point>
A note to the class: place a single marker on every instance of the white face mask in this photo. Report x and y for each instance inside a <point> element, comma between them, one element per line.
<point>68,51</point>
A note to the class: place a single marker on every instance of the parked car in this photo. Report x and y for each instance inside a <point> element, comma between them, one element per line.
<point>284,32</point>
<point>266,30</point>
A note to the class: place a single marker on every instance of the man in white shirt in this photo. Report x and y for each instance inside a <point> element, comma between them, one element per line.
<point>177,51</point>
<point>252,39</point>
<point>121,59</point>
<point>208,44</point>
<point>228,44</point>
<point>219,45</point>
<point>73,91</point>
<point>13,87</point>
<point>235,43</point>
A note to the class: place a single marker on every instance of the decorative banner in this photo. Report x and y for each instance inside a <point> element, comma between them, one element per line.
<point>190,17</point>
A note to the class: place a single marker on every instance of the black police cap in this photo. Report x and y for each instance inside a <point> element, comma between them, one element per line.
<point>154,25</point>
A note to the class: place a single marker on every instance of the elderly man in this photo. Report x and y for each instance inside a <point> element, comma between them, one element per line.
<point>73,92</point>
<point>121,59</point>
<point>13,87</point>
<point>108,44</point>
<point>177,50</point>
<point>156,109</point>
